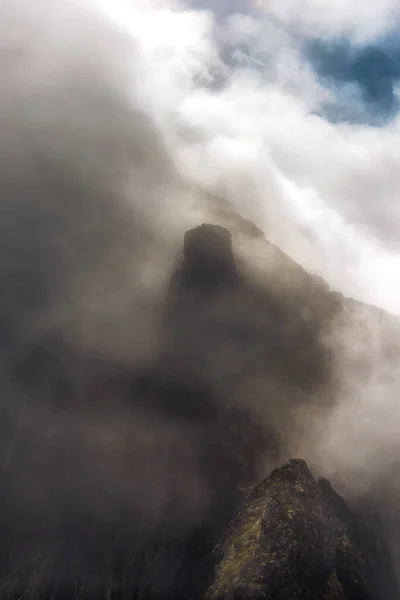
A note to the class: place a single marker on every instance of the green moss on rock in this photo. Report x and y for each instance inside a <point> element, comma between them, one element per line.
<point>296,539</point>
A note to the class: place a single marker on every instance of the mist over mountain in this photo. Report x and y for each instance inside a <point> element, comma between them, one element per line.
<point>160,354</point>
<point>119,475</point>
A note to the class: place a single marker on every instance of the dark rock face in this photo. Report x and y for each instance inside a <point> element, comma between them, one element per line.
<point>208,259</point>
<point>211,244</point>
<point>295,538</point>
<point>235,329</point>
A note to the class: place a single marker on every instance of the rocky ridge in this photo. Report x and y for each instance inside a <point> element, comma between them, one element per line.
<point>295,538</point>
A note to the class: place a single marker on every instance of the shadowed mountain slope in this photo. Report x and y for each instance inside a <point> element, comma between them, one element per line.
<point>134,469</point>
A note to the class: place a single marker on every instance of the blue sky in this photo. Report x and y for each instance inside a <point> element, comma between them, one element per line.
<point>372,68</point>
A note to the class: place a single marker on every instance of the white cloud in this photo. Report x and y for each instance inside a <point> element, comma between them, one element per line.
<point>327,194</point>
<point>361,20</point>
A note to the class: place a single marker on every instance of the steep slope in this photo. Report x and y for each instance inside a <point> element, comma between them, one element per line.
<point>295,538</point>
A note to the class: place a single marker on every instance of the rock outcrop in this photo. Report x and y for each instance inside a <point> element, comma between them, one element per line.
<point>295,538</point>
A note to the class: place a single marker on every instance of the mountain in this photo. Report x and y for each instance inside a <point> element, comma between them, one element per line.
<point>119,477</point>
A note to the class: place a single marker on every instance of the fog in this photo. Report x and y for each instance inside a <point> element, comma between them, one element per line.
<point>138,405</point>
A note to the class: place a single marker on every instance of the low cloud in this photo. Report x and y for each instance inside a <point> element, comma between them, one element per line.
<point>121,123</point>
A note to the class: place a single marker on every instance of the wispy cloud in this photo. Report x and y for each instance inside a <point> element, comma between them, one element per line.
<point>239,103</point>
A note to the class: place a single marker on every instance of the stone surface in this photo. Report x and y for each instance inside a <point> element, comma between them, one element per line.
<point>295,538</point>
